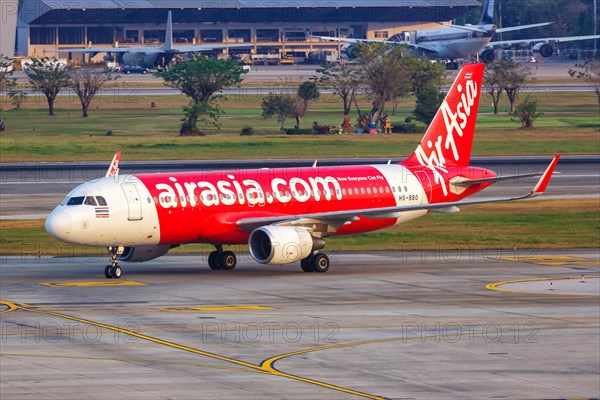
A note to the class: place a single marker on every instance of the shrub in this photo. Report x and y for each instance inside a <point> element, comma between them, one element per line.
<point>298,131</point>
<point>247,131</point>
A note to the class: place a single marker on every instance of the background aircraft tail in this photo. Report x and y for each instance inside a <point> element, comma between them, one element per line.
<point>488,13</point>
<point>449,138</point>
<point>169,33</point>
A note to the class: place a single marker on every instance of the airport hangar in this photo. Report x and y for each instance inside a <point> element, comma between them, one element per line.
<point>270,27</point>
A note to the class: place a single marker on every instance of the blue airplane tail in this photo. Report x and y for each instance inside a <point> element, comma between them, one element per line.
<point>488,13</point>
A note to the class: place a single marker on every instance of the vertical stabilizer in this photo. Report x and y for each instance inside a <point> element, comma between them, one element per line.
<point>488,13</point>
<point>169,33</point>
<point>449,138</point>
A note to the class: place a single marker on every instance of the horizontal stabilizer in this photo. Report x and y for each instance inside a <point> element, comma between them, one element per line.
<point>472,182</point>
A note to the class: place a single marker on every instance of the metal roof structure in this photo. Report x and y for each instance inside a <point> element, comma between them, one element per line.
<point>45,12</point>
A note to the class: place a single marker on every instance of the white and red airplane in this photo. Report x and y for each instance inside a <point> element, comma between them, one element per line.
<point>283,214</point>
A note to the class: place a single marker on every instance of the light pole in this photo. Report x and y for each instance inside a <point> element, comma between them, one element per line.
<point>595,29</point>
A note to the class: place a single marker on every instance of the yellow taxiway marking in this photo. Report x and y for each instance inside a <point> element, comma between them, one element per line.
<point>497,286</point>
<point>553,260</point>
<point>94,283</point>
<point>254,367</point>
<point>215,308</point>
<point>9,306</point>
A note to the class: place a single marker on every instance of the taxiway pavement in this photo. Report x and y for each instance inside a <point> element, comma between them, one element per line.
<point>413,324</point>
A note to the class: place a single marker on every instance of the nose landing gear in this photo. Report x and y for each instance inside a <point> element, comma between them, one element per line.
<point>114,271</point>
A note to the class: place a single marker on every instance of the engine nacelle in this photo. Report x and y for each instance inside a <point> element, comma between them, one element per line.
<point>109,58</point>
<point>349,51</point>
<point>543,49</point>
<point>143,253</point>
<point>486,56</point>
<point>282,244</point>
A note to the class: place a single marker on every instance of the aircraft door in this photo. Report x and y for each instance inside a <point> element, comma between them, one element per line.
<point>134,202</point>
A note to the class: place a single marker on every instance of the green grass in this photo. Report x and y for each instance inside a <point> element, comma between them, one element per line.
<point>570,124</point>
<point>531,224</point>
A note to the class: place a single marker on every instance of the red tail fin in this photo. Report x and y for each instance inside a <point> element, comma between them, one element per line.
<point>449,138</point>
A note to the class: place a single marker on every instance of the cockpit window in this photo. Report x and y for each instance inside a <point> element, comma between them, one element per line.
<point>101,201</point>
<point>90,201</point>
<point>75,201</point>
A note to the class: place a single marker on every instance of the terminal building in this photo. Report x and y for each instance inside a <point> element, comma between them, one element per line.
<point>269,27</point>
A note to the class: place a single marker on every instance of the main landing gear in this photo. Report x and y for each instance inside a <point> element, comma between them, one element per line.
<point>220,259</point>
<point>318,262</point>
<point>114,271</point>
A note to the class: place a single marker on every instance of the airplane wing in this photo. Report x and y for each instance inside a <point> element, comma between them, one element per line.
<point>360,41</point>
<point>525,42</point>
<point>93,50</point>
<point>207,47</point>
<point>335,219</point>
<point>518,28</point>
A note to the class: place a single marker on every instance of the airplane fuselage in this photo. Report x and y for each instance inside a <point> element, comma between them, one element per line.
<point>202,207</point>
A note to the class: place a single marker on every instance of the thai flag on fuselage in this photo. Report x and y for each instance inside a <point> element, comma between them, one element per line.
<point>102,212</point>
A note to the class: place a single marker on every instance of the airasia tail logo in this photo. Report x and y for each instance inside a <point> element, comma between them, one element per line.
<point>435,155</point>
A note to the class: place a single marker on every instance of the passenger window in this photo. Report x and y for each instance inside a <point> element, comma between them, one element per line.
<point>405,189</point>
<point>75,201</point>
<point>156,200</point>
<point>369,190</point>
<point>149,200</point>
<point>362,190</point>
<point>399,189</point>
<point>387,189</point>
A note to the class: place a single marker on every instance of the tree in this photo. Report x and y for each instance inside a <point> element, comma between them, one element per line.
<point>514,77</point>
<point>429,99</point>
<point>526,111</point>
<point>385,78</point>
<point>7,81</point>
<point>506,76</point>
<point>280,106</point>
<point>87,82</point>
<point>17,97</point>
<point>344,80</point>
<point>307,93</point>
<point>492,80</point>
<point>49,77</point>
<point>426,80</point>
<point>589,72</point>
<point>199,79</point>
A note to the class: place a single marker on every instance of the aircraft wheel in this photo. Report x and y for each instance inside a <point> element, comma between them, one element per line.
<point>213,260</point>
<point>320,262</point>
<point>107,273</point>
<point>228,260</point>
<point>116,272</point>
<point>306,264</point>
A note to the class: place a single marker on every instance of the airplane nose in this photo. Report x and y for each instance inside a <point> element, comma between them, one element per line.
<point>58,225</point>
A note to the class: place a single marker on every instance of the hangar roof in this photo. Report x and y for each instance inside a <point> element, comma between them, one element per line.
<point>51,12</point>
<point>103,4</point>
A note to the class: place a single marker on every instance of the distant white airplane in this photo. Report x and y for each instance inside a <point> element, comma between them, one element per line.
<point>148,56</point>
<point>460,41</point>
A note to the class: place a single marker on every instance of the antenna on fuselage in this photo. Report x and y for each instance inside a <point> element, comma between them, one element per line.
<point>113,169</point>
<point>315,164</point>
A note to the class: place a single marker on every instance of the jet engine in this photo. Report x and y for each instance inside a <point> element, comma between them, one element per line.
<point>349,51</point>
<point>279,245</point>
<point>543,49</point>
<point>143,253</point>
<point>486,56</point>
<point>109,57</point>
